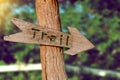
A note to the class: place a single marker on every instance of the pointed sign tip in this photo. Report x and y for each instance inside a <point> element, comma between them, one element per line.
<point>73,52</point>
<point>79,44</point>
<point>6,38</point>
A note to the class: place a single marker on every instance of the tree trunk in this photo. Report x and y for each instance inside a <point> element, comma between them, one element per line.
<point>51,57</point>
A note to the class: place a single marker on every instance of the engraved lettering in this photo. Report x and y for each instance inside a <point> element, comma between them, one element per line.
<point>67,40</point>
<point>35,30</point>
<point>61,39</point>
<point>52,38</point>
<point>43,34</point>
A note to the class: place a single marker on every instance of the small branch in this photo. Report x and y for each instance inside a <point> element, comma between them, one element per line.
<point>21,67</point>
<point>93,71</point>
<point>74,69</point>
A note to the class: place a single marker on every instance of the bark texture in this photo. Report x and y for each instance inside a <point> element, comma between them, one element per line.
<point>51,57</point>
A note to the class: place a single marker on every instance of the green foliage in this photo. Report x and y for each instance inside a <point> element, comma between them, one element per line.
<point>32,75</point>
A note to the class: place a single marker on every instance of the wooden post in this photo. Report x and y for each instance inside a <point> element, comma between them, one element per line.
<point>51,57</point>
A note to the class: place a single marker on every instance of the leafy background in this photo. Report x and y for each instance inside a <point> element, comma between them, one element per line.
<point>98,20</point>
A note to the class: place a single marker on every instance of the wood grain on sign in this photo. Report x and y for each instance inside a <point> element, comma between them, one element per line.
<point>36,34</point>
<point>39,35</point>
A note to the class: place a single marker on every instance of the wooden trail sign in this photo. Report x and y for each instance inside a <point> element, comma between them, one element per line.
<point>51,39</point>
<point>36,34</point>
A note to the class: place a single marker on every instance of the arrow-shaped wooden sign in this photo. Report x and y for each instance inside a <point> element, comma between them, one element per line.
<point>35,34</point>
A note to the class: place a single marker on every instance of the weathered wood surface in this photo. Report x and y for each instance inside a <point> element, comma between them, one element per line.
<point>36,34</point>
<point>51,57</point>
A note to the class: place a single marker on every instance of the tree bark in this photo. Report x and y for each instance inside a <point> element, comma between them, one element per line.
<point>51,57</point>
